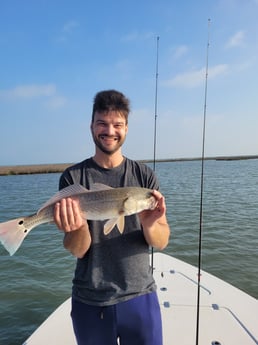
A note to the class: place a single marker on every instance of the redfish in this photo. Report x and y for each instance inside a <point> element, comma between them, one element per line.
<point>100,203</point>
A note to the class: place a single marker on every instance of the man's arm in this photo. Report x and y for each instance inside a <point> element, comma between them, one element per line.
<point>154,222</point>
<point>68,218</point>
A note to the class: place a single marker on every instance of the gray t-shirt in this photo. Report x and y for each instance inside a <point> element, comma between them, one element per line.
<point>116,267</point>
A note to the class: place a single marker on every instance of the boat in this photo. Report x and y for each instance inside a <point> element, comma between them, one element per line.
<point>227,315</point>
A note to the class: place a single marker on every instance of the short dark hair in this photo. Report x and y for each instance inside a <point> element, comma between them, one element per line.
<point>109,100</point>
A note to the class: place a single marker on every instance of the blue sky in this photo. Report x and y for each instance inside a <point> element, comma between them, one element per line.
<point>55,55</point>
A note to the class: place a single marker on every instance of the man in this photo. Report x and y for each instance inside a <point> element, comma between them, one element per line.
<point>114,293</point>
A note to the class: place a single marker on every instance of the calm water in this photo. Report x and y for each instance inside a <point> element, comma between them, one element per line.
<point>38,277</point>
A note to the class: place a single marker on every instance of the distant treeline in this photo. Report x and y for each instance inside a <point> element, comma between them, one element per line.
<point>58,168</point>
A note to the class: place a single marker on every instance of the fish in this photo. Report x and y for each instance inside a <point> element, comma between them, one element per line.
<point>99,203</point>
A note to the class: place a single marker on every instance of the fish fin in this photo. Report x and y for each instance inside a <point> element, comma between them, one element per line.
<point>121,224</point>
<point>12,234</point>
<point>111,223</point>
<point>99,186</point>
<point>73,189</point>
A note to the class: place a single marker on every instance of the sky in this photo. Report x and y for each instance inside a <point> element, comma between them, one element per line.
<point>57,54</point>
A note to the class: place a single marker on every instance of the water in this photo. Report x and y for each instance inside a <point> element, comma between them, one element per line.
<point>38,277</point>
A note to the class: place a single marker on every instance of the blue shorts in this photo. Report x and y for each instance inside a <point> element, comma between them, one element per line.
<point>134,322</point>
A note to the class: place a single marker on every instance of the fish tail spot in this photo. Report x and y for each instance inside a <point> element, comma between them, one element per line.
<point>21,222</point>
<point>25,230</point>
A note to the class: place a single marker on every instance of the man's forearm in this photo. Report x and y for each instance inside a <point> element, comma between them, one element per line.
<point>78,242</point>
<point>157,235</point>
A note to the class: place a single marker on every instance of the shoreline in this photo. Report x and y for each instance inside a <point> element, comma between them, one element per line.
<point>60,167</point>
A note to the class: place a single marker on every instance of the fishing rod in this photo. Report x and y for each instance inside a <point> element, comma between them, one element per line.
<point>156,106</point>
<point>155,123</point>
<point>202,186</point>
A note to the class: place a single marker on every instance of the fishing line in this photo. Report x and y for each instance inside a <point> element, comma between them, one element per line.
<point>155,123</point>
<point>202,187</point>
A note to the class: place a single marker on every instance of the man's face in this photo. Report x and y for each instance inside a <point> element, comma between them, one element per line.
<point>109,131</point>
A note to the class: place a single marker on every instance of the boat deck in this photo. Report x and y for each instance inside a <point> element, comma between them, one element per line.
<point>227,315</point>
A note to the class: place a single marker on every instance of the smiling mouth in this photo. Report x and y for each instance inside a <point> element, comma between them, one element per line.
<point>107,137</point>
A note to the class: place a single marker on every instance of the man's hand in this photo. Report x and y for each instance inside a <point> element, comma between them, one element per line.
<point>68,218</point>
<point>155,227</point>
<point>67,215</point>
<point>148,217</point>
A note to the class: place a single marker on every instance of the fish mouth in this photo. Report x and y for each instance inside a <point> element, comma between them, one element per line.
<point>153,203</point>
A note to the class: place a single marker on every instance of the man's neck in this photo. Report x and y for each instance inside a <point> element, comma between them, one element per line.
<point>108,161</point>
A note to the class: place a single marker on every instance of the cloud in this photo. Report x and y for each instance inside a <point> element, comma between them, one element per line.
<point>28,92</point>
<point>67,29</point>
<point>137,36</point>
<point>236,40</point>
<point>56,102</point>
<point>180,51</point>
<point>70,26</point>
<point>195,78</point>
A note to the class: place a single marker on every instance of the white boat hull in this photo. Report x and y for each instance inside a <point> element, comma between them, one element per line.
<point>227,315</point>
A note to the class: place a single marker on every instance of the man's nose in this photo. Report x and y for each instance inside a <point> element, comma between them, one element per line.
<point>110,129</point>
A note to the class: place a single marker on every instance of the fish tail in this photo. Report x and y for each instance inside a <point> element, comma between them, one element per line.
<point>12,234</point>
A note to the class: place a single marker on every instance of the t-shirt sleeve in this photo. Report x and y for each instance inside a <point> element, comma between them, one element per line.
<point>65,180</point>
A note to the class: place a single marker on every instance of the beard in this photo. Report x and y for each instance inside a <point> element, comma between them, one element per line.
<point>109,151</point>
